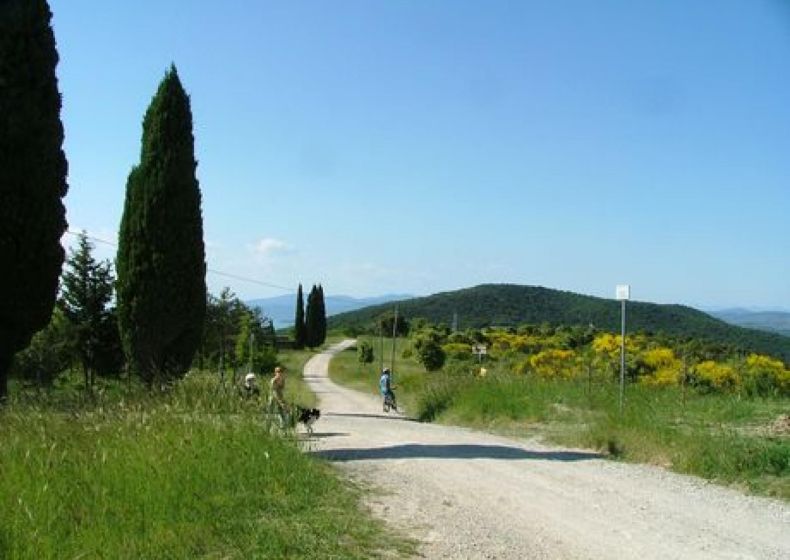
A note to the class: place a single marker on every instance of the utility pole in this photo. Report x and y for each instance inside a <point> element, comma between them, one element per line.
<point>623,293</point>
<point>455,321</point>
<point>394,337</point>
<point>381,345</point>
<point>252,346</point>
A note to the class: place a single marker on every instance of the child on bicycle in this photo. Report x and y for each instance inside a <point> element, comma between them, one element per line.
<point>385,387</point>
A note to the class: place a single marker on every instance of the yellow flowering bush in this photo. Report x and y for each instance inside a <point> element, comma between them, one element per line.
<point>722,377</point>
<point>766,375</point>
<point>665,368</point>
<point>553,363</point>
<point>608,344</point>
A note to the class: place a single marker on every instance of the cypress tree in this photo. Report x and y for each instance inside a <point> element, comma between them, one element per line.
<point>161,257</point>
<point>321,315</point>
<point>311,319</point>
<point>32,176</point>
<point>299,325</point>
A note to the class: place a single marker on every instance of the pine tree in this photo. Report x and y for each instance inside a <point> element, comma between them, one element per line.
<point>311,320</point>
<point>299,323</point>
<point>87,291</point>
<point>32,176</point>
<point>161,257</point>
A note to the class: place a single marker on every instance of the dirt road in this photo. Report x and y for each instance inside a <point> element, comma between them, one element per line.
<point>467,494</point>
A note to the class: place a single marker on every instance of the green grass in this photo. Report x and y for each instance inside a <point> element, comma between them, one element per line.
<point>408,375</point>
<point>720,437</point>
<point>192,473</point>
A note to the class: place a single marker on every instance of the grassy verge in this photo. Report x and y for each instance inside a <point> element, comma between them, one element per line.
<point>193,473</point>
<point>720,437</point>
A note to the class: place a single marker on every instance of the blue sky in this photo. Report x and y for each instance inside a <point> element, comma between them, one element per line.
<point>422,146</point>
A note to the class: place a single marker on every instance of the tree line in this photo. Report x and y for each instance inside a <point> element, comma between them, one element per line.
<point>161,319</point>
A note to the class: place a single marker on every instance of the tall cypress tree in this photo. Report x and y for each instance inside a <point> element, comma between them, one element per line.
<point>311,319</point>
<point>299,326</point>
<point>32,176</point>
<point>161,257</point>
<point>321,315</point>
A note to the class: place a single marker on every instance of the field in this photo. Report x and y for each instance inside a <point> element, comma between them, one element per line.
<point>722,437</point>
<point>195,472</point>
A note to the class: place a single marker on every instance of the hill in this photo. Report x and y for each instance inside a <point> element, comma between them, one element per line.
<point>770,321</point>
<point>282,309</point>
<point>510,305</point>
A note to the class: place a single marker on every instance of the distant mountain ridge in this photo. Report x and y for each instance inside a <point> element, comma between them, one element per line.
<point>770,321</point>
<point>282,309</point>
<point>510,305</point>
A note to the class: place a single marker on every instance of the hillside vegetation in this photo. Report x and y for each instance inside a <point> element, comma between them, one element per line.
<point>511,305</point>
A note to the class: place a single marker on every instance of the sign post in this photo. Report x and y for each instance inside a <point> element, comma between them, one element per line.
<point>622,293</point>
<point>479,350</point>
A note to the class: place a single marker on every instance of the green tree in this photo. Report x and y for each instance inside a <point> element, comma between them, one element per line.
<point>299,323</point>
<point>320,315</point>
<point>428,345</point>
<point>365,353</point>
<point>49,352</point>
<point>220,329</point>
<point>32,176</point>
<point>161,256</point>
<point>244,342</point>
<point>311,333</point>
<point>87,287</point>
<point>386,322</point>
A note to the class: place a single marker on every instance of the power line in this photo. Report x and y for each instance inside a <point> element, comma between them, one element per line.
<point>211,270</point>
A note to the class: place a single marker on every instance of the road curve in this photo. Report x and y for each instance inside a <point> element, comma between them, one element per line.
<point>468,494</point>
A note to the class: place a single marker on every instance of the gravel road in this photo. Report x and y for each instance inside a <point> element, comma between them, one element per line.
<point>468,494</point>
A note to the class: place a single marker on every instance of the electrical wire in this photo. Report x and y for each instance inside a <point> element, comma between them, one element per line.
<point>211,270</point>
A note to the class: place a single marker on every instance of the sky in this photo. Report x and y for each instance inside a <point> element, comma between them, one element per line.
<point>422,146</point>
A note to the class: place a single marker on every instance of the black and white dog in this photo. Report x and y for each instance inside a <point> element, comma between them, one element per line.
<point>308,417</point>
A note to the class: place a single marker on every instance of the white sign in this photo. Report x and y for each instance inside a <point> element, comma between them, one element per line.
<point>623,292</point>
<point>479,349</point>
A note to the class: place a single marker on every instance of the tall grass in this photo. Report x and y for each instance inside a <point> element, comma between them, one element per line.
<point>191,473</point>
<point>719,437</point>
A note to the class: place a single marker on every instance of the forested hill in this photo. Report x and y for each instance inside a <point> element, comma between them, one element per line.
<point>510,305</point>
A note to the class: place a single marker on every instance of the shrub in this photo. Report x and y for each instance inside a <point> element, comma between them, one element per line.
<point>365,353</point>
<point>661,367</point>
<point>553,363</point>
<point>711,375</point>
<point>457,350</point>
<point>49,352</point>
<point>765,376</point>
<point>429,351</point>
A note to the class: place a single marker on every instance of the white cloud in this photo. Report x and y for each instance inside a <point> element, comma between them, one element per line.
<point>269,246</point>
